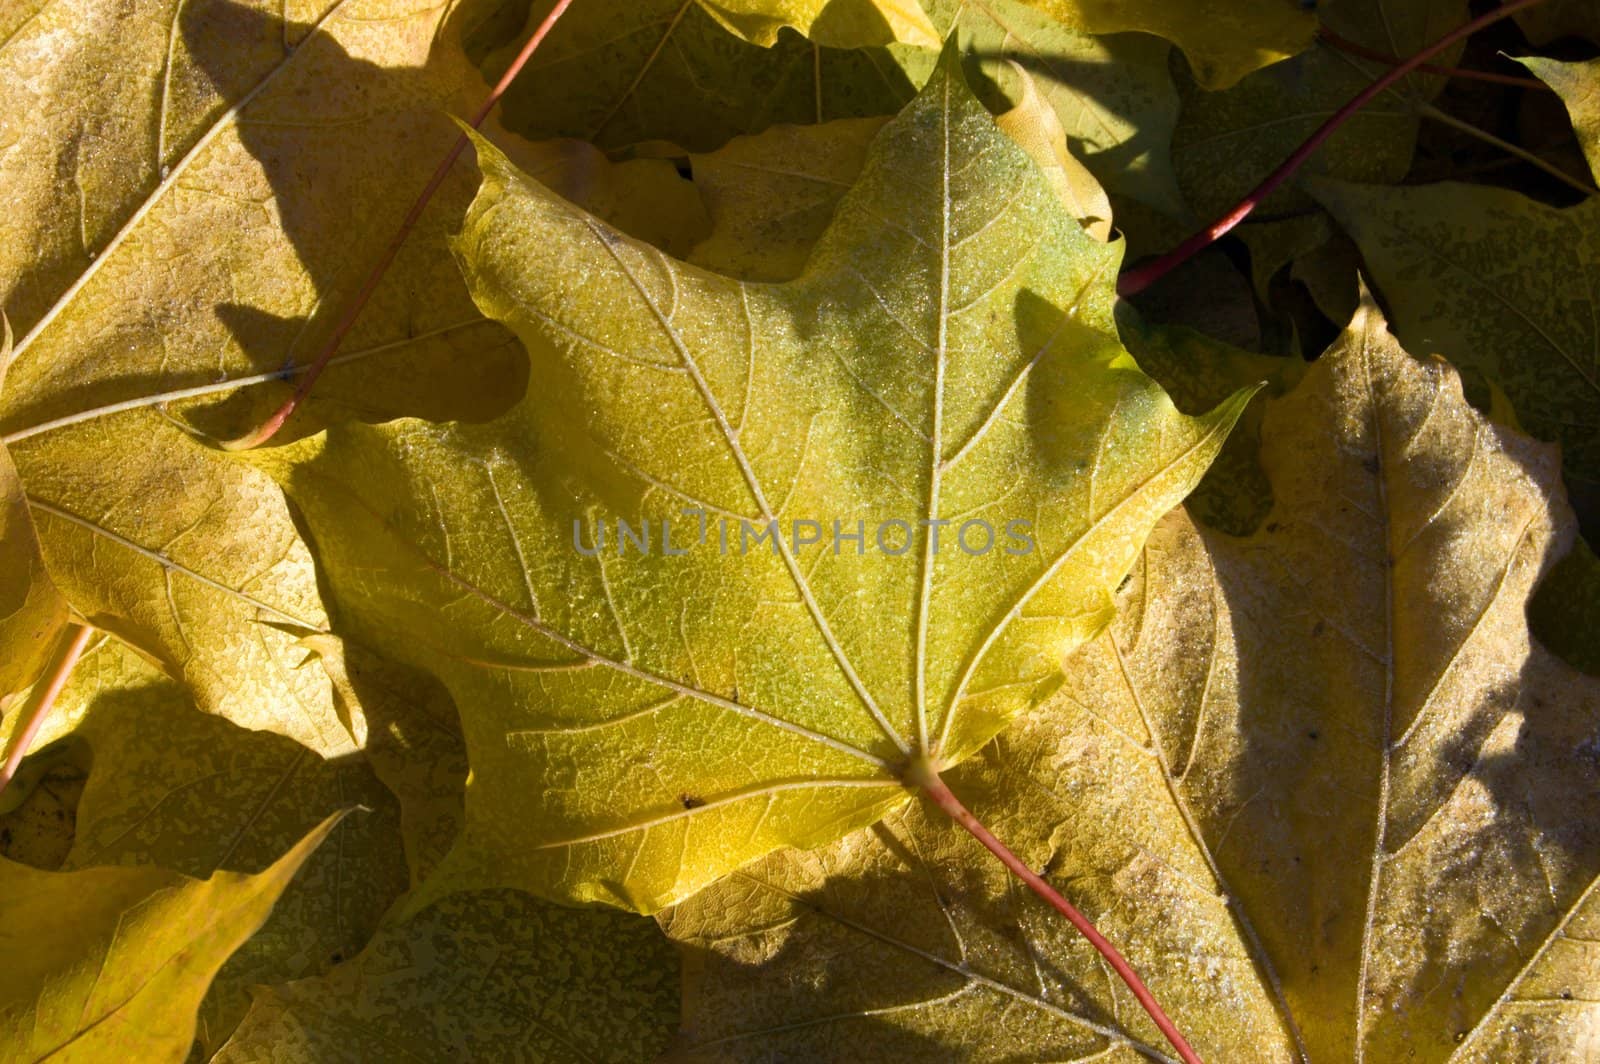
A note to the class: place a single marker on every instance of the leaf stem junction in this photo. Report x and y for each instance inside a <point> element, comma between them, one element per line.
<point>922,774</point>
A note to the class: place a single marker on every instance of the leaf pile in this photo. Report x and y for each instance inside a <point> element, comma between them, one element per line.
<point>750,417</point>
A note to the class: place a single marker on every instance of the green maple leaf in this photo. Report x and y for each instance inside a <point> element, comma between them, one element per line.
<point>639,725</point>
<point>1318,783</point>
<point>771,196</point>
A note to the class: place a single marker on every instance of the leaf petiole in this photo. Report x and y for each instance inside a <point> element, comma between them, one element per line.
<point>1138,279</point>
<point>72,649</point>
<point>279,417</point>
<point>921,773</point>
<point>1346,45</point>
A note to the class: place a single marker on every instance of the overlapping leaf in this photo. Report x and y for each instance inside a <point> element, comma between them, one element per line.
<point>625,75</point>
<point>640,724</point>
<point>169,125</point>
<point>1500,284</point>
<point>1034,125</point>
<point>110,963</point>
<point>32,611</point>
<point>668,77</point>
<point>176,789</point>
<point>1579,87</point>
<point>771,196</point>
<point>1113,95</point>
<point>1330,749</point>
<point>1223,41</point>
<point>1318,782</point>
<point>1226,142</point>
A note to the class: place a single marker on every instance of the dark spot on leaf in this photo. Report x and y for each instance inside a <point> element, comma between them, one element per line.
<point>1319,628</point>
<point>337,957</point>
<point>690,801</point>
<point>1566,995</point>
<point>1313,735</point>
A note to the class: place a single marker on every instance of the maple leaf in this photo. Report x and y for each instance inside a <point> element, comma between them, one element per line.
<point>628,743</point>
<point>1499,283</point>
<point>771,196</point>
<point>118,958</point>
<point>414,746</point>
<point>195,794</point>
<point>669,78</point>
<point>1578,85</point>
<point>1326,822</point>
<point>128,305</point>
<point>1036,128</point>
<point>32,612</point>
<point>1353,800</point>
<point>198,794</point>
